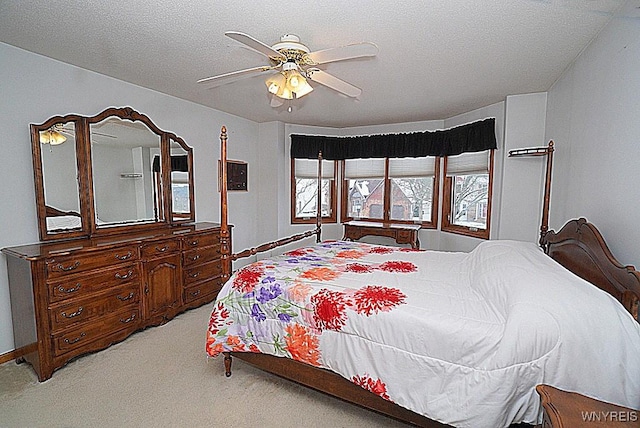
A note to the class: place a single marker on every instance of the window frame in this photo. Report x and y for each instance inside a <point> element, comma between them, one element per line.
<point>447,199</point>
<point>386,211</point>
<point>332,217</point>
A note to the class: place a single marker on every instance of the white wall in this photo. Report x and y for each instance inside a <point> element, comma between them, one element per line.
<point>35,88</point>
<point>593,116</point>
<point>523,177</point>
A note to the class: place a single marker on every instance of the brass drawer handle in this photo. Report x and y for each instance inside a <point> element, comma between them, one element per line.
<point>72,341</point>
<point>194,258</point>
<point>69,290</point>
<point>61,267</point>
<point>128,320</point>
<point>194,242</point>
<point>74,314</point>
<point>125,298</point>
<point>195,293</point>
<point>162,249</point>
<point>124,257</point>
<point>125,276</point>
<point>195,274</point>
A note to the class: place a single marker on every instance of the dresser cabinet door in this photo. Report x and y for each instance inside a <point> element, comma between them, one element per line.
<point>162,285</point>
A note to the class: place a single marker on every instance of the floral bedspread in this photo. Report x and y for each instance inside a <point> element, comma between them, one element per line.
<point>283,305</point>
<point>438,333</point>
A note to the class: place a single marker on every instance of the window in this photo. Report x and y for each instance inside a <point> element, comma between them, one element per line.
<point>304,190</point>
<point>413,185</point>
<point>391,190</point>
<point>363,189</point>
<point>468,181</point>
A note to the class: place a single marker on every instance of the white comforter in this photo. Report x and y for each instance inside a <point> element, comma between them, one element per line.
<point>462,338</point>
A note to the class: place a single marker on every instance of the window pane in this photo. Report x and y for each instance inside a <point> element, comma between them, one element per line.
<point>470,200</point>
<point>366,198</point>
<point>411,198</point>
<point>306,197</point>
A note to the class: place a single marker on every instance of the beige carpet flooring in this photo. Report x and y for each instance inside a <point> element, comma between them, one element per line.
<point>160,377</point>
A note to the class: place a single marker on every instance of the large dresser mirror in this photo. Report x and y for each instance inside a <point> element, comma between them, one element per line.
<point>109,173</point>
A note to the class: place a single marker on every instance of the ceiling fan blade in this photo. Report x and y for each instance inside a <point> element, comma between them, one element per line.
<point>71,132</point>
<point>344,52</point>
<point>222,79</point>
<point>333,82</point>
<point>256,45</point>
<point>103,135</point>
<point>276,102</point>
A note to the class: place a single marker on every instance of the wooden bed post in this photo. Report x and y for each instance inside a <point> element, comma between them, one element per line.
<point>225,245</point>
<point>544,226</point>
<point>319,200</point>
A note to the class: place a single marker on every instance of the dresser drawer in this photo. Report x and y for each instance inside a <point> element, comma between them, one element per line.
<point>202,272</point>
<point>71,264</point>
<point>202,290</point>
<point>83,285</point>
<point>82,335</point>
<point>159,248</point>
<point>81,310</point>
<point>199,241</point>
<point>201,255</point>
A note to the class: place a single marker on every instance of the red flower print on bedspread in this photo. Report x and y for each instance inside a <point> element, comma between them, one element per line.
<point>358,268</point>
<point>376,386</point>
<point>398,266</point>
<point>302,345</point>
<point>297,253</point>
<point>381,250</point>
<point>375,298</point>
<point>247,278</point>
<point>320,274</point>
<point>349,254</point>
<point>329,309</point>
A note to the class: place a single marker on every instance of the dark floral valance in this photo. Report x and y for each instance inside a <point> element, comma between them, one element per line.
<point>472,137</point>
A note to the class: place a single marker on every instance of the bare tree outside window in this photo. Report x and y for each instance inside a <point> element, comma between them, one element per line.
<point>418,192</point>
<point>470,199</point>
<point>307,199</point>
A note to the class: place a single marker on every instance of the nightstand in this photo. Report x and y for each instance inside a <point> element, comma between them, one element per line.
<point>564,409</point>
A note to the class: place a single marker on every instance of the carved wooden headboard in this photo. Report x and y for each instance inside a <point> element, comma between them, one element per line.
<point>580,247</point>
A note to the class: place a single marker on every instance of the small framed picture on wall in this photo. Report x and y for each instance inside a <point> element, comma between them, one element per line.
<point>236,175</point>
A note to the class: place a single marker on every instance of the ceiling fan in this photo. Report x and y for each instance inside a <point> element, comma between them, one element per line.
<point>57,134</point>
<point>292,63</point>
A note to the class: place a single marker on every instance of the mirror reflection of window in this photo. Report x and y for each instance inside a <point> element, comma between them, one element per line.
<point>180,191</point>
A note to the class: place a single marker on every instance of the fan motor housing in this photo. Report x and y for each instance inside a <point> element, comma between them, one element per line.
<point>289,45</point>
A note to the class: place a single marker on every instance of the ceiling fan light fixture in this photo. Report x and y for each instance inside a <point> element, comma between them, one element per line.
<point>297,84</point>
<point>52,137</point>
<point>288,85</point>
<point>276,83</point>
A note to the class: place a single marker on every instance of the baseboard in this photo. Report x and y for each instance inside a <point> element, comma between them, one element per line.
<point>17,353</point>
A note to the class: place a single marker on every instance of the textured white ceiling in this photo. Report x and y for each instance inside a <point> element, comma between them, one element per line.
<point>436,58</point>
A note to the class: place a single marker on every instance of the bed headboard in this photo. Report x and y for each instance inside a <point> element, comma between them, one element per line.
<point>580,247</point>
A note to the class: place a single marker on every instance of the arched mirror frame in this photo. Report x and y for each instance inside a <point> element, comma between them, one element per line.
<point>89,226</point>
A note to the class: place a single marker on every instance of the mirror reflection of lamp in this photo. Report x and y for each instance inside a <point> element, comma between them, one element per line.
<point>52,136</point>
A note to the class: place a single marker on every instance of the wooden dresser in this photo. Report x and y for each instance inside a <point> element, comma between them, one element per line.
<point>76,296</point>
